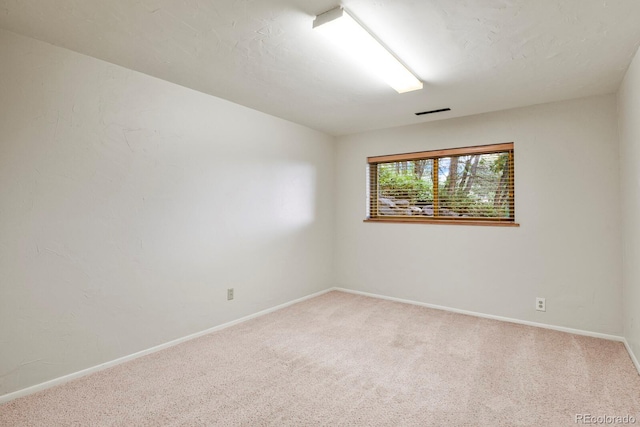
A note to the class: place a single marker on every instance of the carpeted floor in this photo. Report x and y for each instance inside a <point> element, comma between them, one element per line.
<point>342,359</point>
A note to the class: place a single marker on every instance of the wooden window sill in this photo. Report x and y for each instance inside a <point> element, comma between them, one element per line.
<point>489,223</point>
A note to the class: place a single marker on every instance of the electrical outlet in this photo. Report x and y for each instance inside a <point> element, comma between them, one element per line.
<point>541,304</point>
<point>230,294</point>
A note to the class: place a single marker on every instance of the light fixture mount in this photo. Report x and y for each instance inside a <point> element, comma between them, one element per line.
<point>345,31</point>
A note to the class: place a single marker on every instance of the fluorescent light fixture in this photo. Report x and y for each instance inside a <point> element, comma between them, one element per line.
<point>347,33</point>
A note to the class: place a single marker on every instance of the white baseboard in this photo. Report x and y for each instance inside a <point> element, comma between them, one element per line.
<point>617,338</point>
<point>634,359</point>
<point>66,378</point>
<point>489,316</point>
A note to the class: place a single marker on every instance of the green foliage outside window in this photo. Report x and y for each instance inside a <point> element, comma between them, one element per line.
<point>471,186</point>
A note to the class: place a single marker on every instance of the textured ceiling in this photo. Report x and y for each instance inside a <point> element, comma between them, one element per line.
<point>473,55</point>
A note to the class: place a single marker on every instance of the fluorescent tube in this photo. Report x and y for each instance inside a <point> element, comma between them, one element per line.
<point>346,32</point>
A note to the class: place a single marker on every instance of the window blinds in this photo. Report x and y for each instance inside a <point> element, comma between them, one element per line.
<point>462,184</point>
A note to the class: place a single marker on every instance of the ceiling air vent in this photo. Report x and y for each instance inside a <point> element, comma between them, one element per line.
<point>433,111</point>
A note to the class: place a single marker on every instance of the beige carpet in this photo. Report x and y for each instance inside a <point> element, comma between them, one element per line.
<point>341,359</point>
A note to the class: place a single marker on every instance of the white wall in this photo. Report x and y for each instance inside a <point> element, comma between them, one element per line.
<point>567,202</point>
<point>629,125</point>
<point>128,205</point>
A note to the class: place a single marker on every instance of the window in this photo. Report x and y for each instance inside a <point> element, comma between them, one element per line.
<point>472,185</point>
